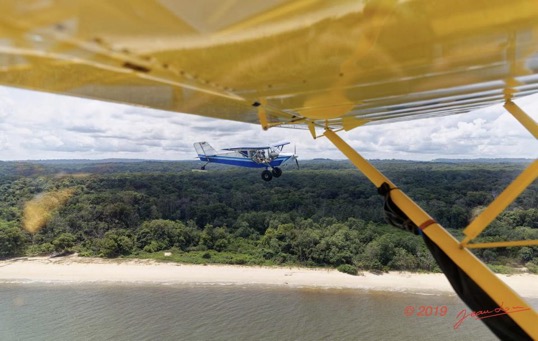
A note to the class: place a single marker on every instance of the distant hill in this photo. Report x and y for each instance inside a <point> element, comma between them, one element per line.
<point>118,166</point>
<point>484,160</point>
<point>83,161</point>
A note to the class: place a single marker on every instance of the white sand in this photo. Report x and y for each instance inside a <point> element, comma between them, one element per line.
<point>91,270</point>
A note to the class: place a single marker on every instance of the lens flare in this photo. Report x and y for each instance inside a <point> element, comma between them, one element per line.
<point>39,210</point>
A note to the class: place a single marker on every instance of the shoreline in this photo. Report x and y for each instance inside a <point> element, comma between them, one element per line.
<point>80,270</point>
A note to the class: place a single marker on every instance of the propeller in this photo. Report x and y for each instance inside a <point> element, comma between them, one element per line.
<point>295,156</point>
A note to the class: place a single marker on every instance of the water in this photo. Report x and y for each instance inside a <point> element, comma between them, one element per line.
<point>33,311</point>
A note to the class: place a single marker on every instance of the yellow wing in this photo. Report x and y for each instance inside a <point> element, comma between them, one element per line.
<point>336,63</point>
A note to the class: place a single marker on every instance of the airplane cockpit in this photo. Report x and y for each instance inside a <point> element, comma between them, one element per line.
<point>259,156</point>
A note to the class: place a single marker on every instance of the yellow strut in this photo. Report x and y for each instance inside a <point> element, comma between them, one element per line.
<point>527,177</point>
<point>501,202</point>
<point>522,117</point>
<point>502,294</point>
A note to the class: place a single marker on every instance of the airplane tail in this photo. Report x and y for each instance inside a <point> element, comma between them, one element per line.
<point>204,149</point>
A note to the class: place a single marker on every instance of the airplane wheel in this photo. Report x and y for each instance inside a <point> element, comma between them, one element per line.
<point>277,172</point>
<point>266,175</point>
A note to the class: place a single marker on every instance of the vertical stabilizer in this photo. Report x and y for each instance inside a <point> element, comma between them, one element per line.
<point>204,148</point>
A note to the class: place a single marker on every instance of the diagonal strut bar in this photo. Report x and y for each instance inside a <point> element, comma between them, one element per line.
<point>501,293</point>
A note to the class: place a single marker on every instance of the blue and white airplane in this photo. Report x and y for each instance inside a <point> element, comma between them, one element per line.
<point>268,157</point>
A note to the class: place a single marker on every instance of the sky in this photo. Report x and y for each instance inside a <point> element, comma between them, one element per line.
<point>37,126</point>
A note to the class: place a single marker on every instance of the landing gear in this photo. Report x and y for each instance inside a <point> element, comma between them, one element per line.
<point>266,175</point>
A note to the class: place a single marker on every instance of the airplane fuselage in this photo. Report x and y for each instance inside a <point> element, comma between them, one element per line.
<point>245,162</point>
<point>268,157</point>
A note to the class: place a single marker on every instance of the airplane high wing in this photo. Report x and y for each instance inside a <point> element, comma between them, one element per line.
<point>342,63</point>
<point>322,65</point>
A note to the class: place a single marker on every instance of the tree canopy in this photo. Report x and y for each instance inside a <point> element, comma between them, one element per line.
<point>325,214</point>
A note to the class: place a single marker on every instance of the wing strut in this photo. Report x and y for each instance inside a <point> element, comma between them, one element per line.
<point>472,280</point>
<point>525,179</point>
<point>522,117</point>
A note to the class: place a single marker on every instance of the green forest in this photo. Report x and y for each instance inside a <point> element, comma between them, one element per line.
<point>325,214</point>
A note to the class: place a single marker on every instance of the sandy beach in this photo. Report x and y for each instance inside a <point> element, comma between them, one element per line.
<point>95,270</point>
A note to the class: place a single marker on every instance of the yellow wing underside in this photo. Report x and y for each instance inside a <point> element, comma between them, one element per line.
<point>333,63</point>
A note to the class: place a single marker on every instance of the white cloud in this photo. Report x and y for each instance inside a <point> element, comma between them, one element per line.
<point>41,126</point>
<point>487,133</point>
